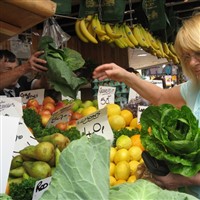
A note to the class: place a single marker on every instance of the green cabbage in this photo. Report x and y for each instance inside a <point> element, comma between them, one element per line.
<point>83,174</point>
<point>174,137</point>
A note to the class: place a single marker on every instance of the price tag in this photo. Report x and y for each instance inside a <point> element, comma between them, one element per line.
<point>61,115</point>
<point>159,83</point>
<point>11,105</point>
<point>32,94</point>
<point>40,187</point>
<point>8,133</point>
<point>106,95</point>
<point>132,94</point>
<point>139,112</point>
<point>96,123</point>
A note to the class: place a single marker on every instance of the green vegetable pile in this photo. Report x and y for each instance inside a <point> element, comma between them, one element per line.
<point>83,173</point>
<point>174,137</point>
<point>62,64</point>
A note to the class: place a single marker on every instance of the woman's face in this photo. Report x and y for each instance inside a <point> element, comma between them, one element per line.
<point>192,60</point>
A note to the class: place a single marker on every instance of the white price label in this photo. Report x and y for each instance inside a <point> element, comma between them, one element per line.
<point>40,187</point>
<point>106,95</point>
<point>32,94</point>
<point>96,123</point>
<point>139,112</point>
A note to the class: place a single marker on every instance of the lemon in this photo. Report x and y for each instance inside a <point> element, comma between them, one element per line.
<point>116,122</point>
<point>121,155</point>
<point>135,153</point>
<point>131,179</point>
<point>134,123</point>
<point>123,141</point>
<point>88,110</point>
<point>112,168</point>
<point>122,170</point>
<point>112,180</point>
<point>127,115</point>
<point>113,151</point>
<point>113,109</point>
<point>118,182</point>
<point>133,166</point>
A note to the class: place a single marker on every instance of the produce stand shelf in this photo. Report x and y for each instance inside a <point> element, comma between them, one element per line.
<point>17,16</point>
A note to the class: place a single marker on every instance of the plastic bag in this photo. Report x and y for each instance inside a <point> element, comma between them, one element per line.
<point>53,29</point>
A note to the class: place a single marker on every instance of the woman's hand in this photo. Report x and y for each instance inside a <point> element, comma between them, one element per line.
<point>111,71</point>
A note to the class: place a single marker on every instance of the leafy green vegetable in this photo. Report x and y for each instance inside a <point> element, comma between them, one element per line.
<point>5,197</point>
<point>23,190</point>
<point>145,190</point>
<point>83,173</point>
<point>61,65</point>
<point>174,137</point>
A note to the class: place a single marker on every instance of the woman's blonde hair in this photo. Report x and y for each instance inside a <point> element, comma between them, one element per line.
<point>188,40</point>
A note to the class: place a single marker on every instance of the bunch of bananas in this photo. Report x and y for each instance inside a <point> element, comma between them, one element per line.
<point>91,29</point>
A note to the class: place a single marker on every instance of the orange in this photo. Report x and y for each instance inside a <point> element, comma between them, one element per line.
<point>136,141</point>
<point>127,115</point>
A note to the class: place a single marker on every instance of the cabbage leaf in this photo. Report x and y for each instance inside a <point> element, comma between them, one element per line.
<point>83,174</point>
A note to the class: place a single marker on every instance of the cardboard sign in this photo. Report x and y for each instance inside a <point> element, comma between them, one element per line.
<point>139,112</point>
<point>106,95</point>
<point>96,123</point>
<point>32,94</point>
<point>61,115</point>
<point>12,108</point>
<point>40,187</point>
<point>8,133</point>
<point>132,94</point>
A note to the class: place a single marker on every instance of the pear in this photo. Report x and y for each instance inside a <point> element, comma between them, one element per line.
<point>37,169</point>
<point>16,162</point>
<point>17,172</point>
<point>43,151</point>
<point>57,139</point>
<point>15,180</point>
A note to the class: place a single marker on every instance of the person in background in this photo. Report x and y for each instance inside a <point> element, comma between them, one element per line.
<point>12,75</point>
<point>187,46</point>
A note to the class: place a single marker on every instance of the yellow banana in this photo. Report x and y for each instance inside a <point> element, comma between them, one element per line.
<point>78,31</point>
<point>145,35</point>
<point>139,36</point>
<point>130,35</point>
<point>152,40</point>
<point>119,42</point>
<point>165,48</point>
<point>171,47</point>
<point>86,33</point>
<point>91,31</point>
<point>160,47</point>
<point>111,33</point>
<point>125,37</point>
<point>96,25</point>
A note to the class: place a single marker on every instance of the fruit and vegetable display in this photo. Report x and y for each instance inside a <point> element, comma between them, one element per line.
<point>91,29</point>
<point>84,167</point>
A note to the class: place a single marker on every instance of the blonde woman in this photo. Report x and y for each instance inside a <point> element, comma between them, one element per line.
<point>187,46</point>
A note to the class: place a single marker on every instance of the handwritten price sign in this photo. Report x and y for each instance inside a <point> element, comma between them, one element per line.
<point>139,112</point>
<point>62,115</point>
<point>96,123</point>
<point>106,95</point>
<point>32,94</point>
<point>40,187</point>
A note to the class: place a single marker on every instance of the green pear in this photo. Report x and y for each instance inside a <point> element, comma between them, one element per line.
<point>27,153</point>
<point>37,169</point>
<point>17,172</point>
<point>57,139</point>
<point>17,161</point>
<point>15,180</point>
<point>43,151</point>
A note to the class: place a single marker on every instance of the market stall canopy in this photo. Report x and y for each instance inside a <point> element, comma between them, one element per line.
<point>17,16</point>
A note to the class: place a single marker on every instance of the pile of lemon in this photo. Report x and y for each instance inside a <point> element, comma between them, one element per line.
<point>121,118</point>
<point>124,159</point>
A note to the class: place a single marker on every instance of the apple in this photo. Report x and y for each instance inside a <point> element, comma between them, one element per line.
<point>48,99</point>
<point>45,118</point>
<point>49,106</point>
<point>44,112</point>
<point>59,104</point>
<point>87,103</point>
<point>76,115</point>
<point>62,126</point>
<point>32,103</point>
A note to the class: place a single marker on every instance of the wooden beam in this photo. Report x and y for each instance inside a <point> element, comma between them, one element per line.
<point>9,29</point>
